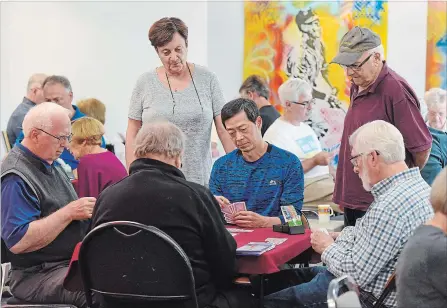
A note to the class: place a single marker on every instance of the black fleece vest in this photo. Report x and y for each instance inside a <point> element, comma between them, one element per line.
<point>53,190</point>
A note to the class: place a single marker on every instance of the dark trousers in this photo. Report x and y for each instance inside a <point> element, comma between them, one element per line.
<point>304,287</point>
<point>351,216</point>
<point>238,297</point>
<point>43,284</point>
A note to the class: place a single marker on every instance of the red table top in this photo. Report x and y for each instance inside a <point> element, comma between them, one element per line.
<point>267,263</point>
<point>270,261</point>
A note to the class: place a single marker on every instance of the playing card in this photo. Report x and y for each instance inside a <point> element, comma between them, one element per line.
<point>239,206</point>
<point>232,210</point>
<point>229,218</point>
<point>324,230</point>
<point>236,230</point>
<point>226,209</point>
<point>275,240</point>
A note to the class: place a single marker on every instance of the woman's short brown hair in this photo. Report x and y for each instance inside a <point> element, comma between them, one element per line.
<point>94,108</point>
<point>87,129</point>
<point>163,30</point>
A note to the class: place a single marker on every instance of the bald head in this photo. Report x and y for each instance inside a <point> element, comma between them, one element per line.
<point>44,116</point>
<point>34,90</point>
<point>47,129</point>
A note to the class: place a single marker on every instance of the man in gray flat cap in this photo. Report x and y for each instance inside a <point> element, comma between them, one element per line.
<point>377,93</point>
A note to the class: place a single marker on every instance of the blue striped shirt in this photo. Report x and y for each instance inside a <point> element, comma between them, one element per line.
<point>274,180</point>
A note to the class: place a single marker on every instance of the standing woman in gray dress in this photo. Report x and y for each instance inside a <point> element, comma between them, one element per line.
<point>184,93</point>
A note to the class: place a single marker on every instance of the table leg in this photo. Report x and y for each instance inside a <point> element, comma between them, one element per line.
<point>261,292</point>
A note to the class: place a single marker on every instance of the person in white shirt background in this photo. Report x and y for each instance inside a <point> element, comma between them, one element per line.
<point>290,133</point>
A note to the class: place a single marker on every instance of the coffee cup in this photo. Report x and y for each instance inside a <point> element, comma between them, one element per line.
<point>324,213</point>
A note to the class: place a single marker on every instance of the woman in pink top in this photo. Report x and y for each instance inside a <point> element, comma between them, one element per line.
<point>98,168</point>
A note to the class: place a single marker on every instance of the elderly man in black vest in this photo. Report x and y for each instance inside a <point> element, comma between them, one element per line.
<point>42,217</point>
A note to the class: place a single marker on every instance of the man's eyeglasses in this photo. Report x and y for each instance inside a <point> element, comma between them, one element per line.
<point>355,67</point>
<point>60,138</point>
<point>353,159</point>
<point>305,103</point>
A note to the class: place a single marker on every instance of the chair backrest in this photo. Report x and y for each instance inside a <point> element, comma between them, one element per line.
<point>6,141</point>
<point>134,263</point>
<point>343,293</point>
<point>390,286</point>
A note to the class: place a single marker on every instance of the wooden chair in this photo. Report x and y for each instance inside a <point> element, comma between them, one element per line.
<point>6,141</point>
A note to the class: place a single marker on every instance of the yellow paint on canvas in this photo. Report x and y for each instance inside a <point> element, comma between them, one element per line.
<point>267,22</point>
<point>436,58</point>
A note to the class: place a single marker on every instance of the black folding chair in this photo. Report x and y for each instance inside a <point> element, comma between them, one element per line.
<point>131,264</point>
<point>13,302</point>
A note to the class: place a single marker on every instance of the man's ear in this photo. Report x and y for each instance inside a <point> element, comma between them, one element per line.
<point>178,162</point>
<point>259,122</point>
<point>374,158</point>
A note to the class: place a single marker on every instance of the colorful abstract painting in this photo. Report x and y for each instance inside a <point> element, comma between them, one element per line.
<point>299,39</point>
<point>436,76</point>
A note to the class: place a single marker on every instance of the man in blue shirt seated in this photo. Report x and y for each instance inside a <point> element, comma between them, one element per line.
<point>57,89</point>
<point>262,175</point>
<point>42,217</point>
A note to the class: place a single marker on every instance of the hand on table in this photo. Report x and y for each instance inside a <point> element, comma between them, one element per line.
<point>249,219</point>
<point>320,241</point>
<point>222,201</point>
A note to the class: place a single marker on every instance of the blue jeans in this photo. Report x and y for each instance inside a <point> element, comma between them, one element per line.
<point>304,287</point>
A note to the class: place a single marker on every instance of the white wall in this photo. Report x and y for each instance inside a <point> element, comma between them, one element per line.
<point>102,47</point>
<point>407,28</point>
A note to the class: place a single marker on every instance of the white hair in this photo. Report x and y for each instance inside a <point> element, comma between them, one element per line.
<point>160,138</point>
<point>382,137</point>
<point>36,79</point>
<point>379,50</point>
<point>42,116</point>
<point>435,96</point>
<point>293,89</point>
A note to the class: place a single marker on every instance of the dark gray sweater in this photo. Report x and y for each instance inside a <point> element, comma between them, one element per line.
<point>422,270</point>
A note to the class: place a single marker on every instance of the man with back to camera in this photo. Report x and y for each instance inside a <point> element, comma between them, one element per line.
<point>34,96</point>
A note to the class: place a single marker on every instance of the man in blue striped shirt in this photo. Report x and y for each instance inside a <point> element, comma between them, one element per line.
<point>261,175</point>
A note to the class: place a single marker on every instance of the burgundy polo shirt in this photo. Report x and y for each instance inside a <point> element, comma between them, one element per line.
<point>389,98</point>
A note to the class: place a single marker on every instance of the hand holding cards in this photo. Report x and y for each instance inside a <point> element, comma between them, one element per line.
<point>231,209</point>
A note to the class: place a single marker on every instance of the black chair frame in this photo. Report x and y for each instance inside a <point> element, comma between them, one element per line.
<point>85,270</point>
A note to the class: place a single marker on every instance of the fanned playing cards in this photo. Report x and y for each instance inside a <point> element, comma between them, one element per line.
<point>231,209</point>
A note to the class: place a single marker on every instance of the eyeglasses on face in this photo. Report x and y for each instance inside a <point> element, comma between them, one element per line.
<point>61,139</point>
<point>305,103</point>
<point>354,158</point>
<point>357,67</point>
